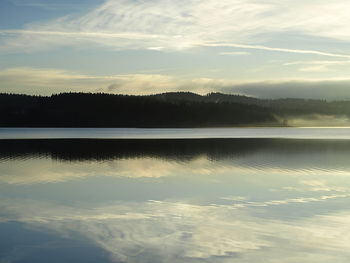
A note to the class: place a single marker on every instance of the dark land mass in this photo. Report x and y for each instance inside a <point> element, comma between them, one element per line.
<point>177,109</point>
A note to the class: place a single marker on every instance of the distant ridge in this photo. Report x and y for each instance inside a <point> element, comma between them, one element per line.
<point>284,107</point>
<point>214,97</point>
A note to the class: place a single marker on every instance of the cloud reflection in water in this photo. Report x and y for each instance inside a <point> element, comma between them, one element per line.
<point>228,201</point>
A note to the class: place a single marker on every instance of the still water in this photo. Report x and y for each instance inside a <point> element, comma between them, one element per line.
<point>179,200</point>
<point>190,133</point>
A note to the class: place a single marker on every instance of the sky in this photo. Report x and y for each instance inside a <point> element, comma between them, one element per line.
<point>261,48</point>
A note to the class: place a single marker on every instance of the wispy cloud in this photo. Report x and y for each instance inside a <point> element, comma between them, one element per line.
<point>285,50</point>
<point>157,38</point>
<point>235,53</point>
<point>125,35</point>
<point>178,25</point>
<point>317,65</point>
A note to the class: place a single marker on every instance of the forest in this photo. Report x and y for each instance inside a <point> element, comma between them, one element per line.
<point>176,109</point>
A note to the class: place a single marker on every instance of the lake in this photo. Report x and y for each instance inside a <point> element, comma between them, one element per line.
<point>190,133</point>
<point>197,195</point>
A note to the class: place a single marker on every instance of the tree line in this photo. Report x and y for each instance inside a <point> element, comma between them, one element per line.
<point>108,110</point>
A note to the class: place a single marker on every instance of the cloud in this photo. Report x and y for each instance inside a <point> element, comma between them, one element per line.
<point>178,25</point>
<point>49,81</point>
<point>146,84</point>
<point>318,62</point>
<point>235,53</point>
<point>277,49</point>
<point>42,81</point>
<point>318,65</point>
<point>304,89</point>
<point>127,36</point>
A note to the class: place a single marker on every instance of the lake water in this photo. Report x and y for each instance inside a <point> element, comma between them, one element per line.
<point>246,200</point>
<point>197,133</point>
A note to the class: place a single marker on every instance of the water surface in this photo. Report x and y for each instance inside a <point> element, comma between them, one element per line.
<point>176,133</point>
<point>193,200</point>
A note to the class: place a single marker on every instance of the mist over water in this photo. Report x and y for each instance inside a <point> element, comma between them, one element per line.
<point>319,120</point>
